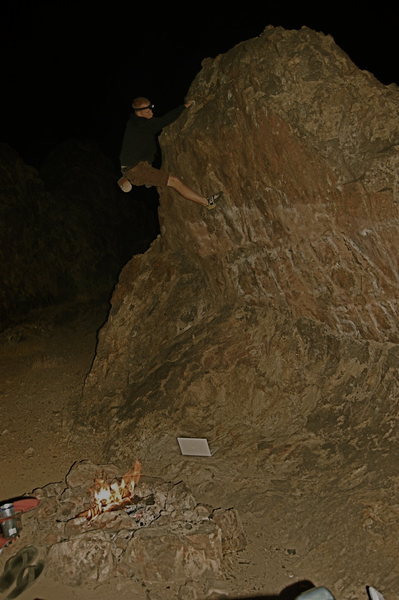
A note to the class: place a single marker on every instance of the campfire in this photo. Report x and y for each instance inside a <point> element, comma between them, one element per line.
<point>98,525</point>
<point>112,496</point>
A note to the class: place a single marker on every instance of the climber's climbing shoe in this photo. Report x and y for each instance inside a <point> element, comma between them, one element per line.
<point>212,200</point>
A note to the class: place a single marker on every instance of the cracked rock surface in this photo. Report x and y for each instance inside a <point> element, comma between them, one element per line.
<point>270,325</point>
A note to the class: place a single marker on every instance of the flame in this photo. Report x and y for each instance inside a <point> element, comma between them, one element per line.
<point>110,496</point>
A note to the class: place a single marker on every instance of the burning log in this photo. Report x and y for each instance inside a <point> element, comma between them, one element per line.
<point>96,510</point>
<point>113,496</point>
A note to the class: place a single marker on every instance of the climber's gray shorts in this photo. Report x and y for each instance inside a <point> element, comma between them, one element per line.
<point>145,174</point>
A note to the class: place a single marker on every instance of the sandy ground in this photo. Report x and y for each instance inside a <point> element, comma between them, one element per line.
<point>43,364</point>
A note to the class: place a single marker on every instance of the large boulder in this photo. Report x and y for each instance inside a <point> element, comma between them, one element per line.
<point>302,143</point>
<point>270,325</point>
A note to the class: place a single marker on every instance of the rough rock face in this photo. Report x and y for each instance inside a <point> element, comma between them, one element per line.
<point>159,535</point>
<point>270,325</point>
<point>65,232</point>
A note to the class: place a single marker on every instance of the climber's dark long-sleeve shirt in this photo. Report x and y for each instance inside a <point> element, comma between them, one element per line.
<point>140,139</point>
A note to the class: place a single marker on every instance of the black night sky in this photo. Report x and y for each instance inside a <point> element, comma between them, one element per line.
<point>70,69</point>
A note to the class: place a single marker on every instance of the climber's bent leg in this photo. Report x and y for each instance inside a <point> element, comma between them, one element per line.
<point>145,174</point>
<point>185,191</point>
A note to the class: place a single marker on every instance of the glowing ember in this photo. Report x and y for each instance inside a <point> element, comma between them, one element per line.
<point>115,495</point>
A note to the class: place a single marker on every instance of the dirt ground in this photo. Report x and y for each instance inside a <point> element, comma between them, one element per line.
<point>43,364</point>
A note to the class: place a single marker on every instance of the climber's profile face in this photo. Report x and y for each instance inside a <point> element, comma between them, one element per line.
<point>143,108</point>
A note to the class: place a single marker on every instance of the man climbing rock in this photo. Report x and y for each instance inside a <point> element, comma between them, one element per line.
<point>139,148</point>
